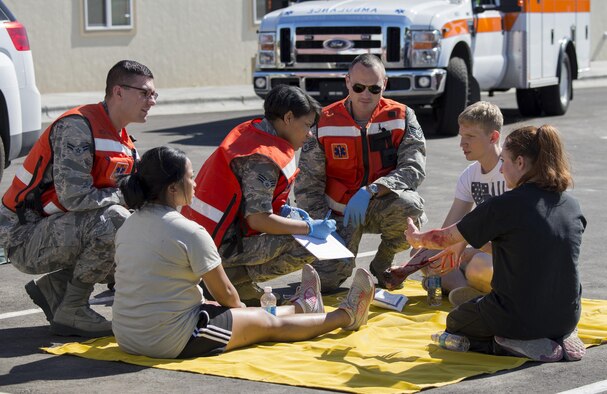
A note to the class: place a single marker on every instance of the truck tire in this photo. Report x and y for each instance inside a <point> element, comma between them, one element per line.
<point>454,99</point>
<point>555,99</point>
<point>2,158</point>
<point>528,101</point>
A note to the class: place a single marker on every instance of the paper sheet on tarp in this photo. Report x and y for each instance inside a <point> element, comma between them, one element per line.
<point>327,249</point>
<point>392,353</point>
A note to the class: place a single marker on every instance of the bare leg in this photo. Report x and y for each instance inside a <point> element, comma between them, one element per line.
<point>479,272</point>
<point>286,310</point>
<point>453,280</point>
<point>253,325</point>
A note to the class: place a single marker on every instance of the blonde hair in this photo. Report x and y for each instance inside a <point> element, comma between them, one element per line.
<point>543,147</point>
<point>484,114</point>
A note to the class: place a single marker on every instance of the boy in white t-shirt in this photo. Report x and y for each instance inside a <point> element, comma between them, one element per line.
<point>479,129</point>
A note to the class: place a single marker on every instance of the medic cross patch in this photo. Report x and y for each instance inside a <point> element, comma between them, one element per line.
<point>340,151</point>
<point>119,170</point>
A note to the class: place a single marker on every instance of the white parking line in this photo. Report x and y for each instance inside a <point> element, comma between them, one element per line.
<point>367,254</point>
<point>594,388</point>
<point>20,313</point>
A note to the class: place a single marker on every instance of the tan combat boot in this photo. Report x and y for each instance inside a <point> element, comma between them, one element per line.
<point>47,292</point>
<point>75,317</point>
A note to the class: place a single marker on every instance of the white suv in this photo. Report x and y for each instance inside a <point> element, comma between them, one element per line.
<point>20,109</point>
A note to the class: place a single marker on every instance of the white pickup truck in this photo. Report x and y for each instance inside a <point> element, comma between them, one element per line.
<point>436,52</point>
<point>20,113</point>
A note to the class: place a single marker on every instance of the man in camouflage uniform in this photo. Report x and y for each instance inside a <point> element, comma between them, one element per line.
<point>74,245</point>
<point>373,196</point>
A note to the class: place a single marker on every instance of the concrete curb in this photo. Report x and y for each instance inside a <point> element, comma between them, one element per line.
<point>174,101</point>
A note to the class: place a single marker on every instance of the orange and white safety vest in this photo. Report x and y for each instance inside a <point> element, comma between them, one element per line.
<point>356,156</point>
<point>216,202</point>
<point>114,154</point>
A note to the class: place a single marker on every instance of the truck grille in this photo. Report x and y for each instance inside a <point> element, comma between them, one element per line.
<point>338,44</point>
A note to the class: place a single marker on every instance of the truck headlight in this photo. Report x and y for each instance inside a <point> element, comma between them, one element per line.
<point>425,48</point>
<point>267,49</point>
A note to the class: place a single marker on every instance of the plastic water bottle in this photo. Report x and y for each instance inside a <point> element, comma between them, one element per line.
<point>435,292</point>
<point>268,300</point>
<point>457,343</point>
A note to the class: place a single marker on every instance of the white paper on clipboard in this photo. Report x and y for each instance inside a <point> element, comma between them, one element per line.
<point>327,249</point>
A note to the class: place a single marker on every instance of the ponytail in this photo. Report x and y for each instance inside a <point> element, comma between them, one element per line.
<point>159,167</point>
<point>133,190</point>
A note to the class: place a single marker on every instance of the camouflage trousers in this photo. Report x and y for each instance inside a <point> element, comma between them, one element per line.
<point>386,215</point>
<point>263,257</point>
<point>82,241</point>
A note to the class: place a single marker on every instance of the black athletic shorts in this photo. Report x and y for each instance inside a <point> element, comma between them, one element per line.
<point>212,333</point>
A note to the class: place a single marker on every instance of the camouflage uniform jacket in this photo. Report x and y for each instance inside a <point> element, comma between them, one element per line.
<point>70,171</point>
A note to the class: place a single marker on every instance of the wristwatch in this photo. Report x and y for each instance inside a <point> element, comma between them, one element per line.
<point>373,189</point>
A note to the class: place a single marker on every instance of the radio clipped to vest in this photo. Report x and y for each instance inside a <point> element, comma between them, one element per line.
<point>382,143</point>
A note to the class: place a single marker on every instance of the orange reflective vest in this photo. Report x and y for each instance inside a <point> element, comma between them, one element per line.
<point>355,156</point>
<point>114,154</point>
<point>216,202</point>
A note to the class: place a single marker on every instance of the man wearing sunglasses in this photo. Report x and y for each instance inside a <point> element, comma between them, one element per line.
<point>60,215</point>
<point>364,162</point>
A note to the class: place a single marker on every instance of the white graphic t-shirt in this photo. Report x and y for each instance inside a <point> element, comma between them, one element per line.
<point>474,186</point>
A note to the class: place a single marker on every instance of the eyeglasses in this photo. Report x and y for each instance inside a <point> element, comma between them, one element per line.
<point>148,93</point>
<point>373,89</point>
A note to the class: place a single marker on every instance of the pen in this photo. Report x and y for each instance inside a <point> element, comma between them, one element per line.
<point>328,215</point>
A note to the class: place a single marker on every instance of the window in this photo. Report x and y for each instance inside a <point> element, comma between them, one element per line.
<point>262,7</point>
<point>108,14</point>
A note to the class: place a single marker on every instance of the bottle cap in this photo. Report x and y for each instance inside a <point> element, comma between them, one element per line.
<point>267,289</point>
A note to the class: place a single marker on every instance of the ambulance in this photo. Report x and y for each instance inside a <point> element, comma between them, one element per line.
<point>439,53</point>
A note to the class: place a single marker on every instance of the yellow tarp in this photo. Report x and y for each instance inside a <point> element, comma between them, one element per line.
<point>392,353</point>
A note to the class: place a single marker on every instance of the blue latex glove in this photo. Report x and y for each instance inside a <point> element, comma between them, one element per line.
<point>356,210</point>
<point>321,228</point>
<point>286,210</point>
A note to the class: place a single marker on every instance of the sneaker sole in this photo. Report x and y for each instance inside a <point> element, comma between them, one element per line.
<point>537,351</point>
<point>36,295</point>
<point>461,295</point>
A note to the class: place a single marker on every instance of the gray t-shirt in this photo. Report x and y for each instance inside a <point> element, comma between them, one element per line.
<point>160,257</point>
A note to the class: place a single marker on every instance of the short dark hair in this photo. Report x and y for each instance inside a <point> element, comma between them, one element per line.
<point>284,98</point>
<point>158,169</point>
<point>368,60</point>
<point>123,72</point>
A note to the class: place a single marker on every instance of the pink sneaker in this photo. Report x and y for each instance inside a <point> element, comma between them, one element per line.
<point>357,302</point>
<point>308,294</point>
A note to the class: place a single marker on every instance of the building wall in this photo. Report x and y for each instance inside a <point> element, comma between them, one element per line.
<point>184,43</point>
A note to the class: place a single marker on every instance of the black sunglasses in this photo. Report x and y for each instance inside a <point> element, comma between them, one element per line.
<point>148,93</point>
<point>359,88</point>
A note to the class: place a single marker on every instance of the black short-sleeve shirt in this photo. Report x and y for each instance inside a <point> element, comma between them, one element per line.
<point>536,237</point>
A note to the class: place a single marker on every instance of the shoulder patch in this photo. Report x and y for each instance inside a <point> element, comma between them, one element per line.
<point>339,151</point>
<point>267,183</point>
<point>78,149</point>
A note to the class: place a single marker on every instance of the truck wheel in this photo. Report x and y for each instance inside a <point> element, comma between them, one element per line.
<point>528,101</point>
<point>2,158</point>
<point>555,99</point>
<point>454,99</point>
<point>474,93</point>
